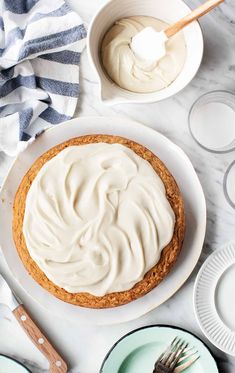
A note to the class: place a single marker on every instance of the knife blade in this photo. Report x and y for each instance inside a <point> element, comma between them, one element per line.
<point>7,297</point>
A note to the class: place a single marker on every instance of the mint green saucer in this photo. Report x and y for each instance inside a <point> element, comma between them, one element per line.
<point>10,365</point>
<point>137,351</point>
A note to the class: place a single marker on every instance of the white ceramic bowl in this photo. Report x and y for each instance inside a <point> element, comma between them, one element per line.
<point>167,10</point>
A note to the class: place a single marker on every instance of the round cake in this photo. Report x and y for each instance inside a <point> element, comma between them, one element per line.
<point>98,221</point>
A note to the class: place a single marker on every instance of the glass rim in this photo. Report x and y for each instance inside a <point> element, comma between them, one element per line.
<point>229,200</point>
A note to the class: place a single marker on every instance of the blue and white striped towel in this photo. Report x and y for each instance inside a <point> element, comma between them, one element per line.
<point>40,46</point>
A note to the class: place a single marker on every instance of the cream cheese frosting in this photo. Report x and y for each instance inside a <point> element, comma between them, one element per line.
<point>97,218</point>
<point>132,73</point>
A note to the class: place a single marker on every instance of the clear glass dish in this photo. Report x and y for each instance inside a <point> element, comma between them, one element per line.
<point>212,121</point>
<point>212,125</point>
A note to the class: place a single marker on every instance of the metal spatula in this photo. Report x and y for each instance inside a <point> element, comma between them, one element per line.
<point>57,364</point>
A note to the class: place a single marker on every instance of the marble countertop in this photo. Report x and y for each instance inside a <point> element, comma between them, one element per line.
<point>85,347</point>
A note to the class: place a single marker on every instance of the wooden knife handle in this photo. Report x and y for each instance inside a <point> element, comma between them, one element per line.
<point>57,364</point>
<point>192,16</point>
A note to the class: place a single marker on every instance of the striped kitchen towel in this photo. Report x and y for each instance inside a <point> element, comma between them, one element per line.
<point>40,46</point>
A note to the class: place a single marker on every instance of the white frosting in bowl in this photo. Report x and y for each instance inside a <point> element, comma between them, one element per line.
<point>135,74</point>
<point>97,218</point>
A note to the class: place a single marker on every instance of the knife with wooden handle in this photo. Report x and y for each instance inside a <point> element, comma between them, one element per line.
<point>57,364</point>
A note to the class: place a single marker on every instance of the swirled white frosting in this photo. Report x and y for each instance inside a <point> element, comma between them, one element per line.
<point>97,218</point>
<point>129,71</point>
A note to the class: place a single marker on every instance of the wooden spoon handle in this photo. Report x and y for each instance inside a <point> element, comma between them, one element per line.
<point>195,14</point>
<point>57,364</point>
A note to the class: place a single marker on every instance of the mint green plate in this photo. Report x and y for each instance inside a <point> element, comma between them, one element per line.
<point>137,351</point>
<point>10,365</point>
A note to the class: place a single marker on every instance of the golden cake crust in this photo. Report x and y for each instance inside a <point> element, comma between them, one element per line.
<point>152,278</point>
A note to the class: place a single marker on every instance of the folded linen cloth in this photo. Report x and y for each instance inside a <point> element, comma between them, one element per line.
<point>40,46</point>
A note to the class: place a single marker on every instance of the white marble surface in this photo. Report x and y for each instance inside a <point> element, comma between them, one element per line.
<point>85,347</point>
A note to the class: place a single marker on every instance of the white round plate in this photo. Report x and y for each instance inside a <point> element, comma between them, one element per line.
<point>214,298</point>
<point>181,168</point>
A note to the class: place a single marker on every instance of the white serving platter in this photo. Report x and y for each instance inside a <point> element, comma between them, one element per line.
<point>185,175</point>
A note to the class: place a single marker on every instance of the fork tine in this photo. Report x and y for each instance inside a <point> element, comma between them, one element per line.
<point>186,365</point>
<point>173,353</point>
<point>188,349</point>
<point>174,348</point>
<point>187,355</point>
<point>177,354</point>
<point>169,350</point>
<point>165,355</point>
<point>159,359</point>
<point>174,341</point>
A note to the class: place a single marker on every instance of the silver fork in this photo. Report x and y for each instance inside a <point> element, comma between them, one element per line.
<point>175,353</point>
